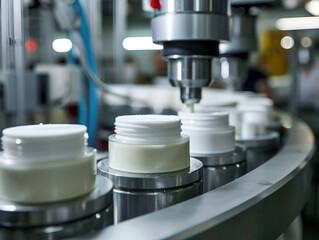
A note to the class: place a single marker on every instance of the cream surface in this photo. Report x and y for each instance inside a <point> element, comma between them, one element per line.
<point>149,158</point>
<point>48,182</point>
<point>46,163</point>
<point>148,144</point>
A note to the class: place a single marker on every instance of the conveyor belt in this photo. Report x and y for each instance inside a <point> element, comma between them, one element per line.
<point>259,205</point>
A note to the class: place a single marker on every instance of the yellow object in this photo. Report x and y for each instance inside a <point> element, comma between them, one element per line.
<point>273,56</point>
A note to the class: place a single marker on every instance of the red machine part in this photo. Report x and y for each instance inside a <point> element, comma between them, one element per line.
<point>156,4</point>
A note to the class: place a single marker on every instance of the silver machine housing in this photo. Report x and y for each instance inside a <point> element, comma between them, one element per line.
<point>60,220</point>
<point>232,68</point>
<point>222,168</point>
<point>260,149</point>
<point>190,31</point>
<point>136,194</point>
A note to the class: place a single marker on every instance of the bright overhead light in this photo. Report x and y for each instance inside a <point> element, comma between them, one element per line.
<point>287,42</point>
<point>306,42</point>
<point>313,7</point>
<point>140,43</point>
<point>62,45</point>
<point>297,23</point>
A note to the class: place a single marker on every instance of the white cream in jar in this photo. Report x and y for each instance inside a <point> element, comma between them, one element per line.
<point>148,144</point>
<point>46,163</point>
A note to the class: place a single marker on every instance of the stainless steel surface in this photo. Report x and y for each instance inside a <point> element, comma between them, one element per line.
<point>119,26</point>
<point>136,194</point>
<point>294,102</point>
<point>176,6</point>
<point>190,95</point>
<point>23,215</point>
<point>18,42</point>
<point>259,205</point>
<point>190,74</point>
<point>192,71</point>
<point>185,26</point>
<point>262,141</point>
<point>222,168</point>
<point>257,157</point>
<point>13,53</point>
<point>46,31</point>
<point>95,222</point>
<point>276,126</point>
<point>214,177</point>
<point>220,159</point>
<point>260,149</point>
<point>94,15</point>
<point>191,21</point>
<point>243,35</point>
<point>11,91</point>
<point>294,230</point>
<point>232,68</point>
<point>5,37</point>
<point>133,203</point>
<point>249,2</point>
<point>232,71</point>
<point>152,181</point>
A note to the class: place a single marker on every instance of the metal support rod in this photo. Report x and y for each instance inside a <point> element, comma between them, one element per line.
<point>46,35</point>
<point>119,26</point>
<point>19,61</point>
<point>94,17</point>
<point>4,35</point>
<point>294,90</point>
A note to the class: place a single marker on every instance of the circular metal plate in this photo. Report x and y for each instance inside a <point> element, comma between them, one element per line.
<point>152,181</point>
<point>83,226</point>
<point>23,215</point>
<point>270,140</point>
<point>221,159</point>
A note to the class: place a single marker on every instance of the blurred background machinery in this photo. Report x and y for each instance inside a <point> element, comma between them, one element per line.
<point>89,61</point>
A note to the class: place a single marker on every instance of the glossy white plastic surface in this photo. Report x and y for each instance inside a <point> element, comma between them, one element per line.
<point>148,144</point>
<point>46,163</point>
<point>209,132</point>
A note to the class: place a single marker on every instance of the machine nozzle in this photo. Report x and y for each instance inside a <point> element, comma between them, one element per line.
<point>190,95</point>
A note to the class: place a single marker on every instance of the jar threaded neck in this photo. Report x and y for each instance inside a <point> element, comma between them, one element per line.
<point>148,129</point>
<point>44,142</point>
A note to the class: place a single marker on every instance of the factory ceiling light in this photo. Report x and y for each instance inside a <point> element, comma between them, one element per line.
<point>287,42</point>
<point>313,7</point>
<point>297,23</point>
<point>140,43</point>
<point>306,42</point>
<point>62,45</point>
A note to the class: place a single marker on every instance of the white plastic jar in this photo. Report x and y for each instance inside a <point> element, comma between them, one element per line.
<point>254,119</point>
<point>46,163</point>
<point>233,114</point>
<point>209,133</point>
<point>148,144</point>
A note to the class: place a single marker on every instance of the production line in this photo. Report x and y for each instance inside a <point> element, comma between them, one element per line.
<point>187,162</point>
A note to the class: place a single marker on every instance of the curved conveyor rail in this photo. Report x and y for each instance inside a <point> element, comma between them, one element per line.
<point>259,205</point>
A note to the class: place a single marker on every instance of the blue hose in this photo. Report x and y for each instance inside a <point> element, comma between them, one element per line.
<point>93,99</point>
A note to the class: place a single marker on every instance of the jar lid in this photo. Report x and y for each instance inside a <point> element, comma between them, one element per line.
<point>43,131</point>
<point>44,142</point>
